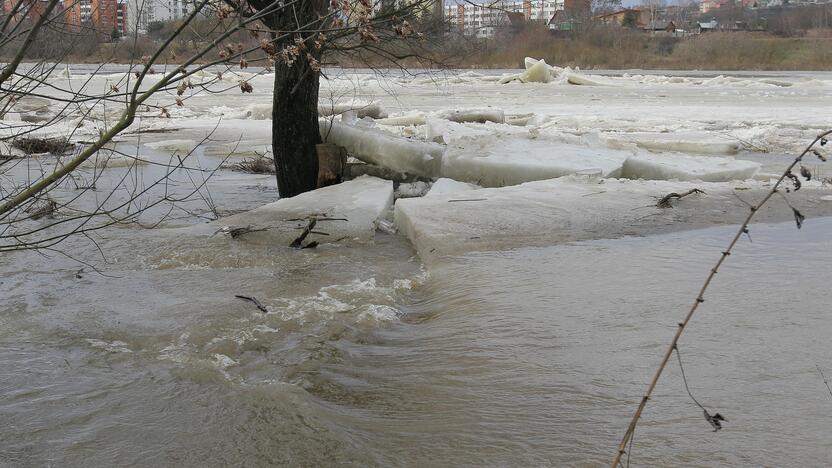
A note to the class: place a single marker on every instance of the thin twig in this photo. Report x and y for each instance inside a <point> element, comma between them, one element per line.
<point>826,382</point>
<point>298,242</point>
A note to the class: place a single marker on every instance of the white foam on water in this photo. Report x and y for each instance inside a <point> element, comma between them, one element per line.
<point>109,346</point>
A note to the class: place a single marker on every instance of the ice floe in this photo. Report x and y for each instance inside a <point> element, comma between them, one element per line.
<point>686,167</point>
<point>536,213</point>
<point>685,142</point>
<point>497,162</point>
<point>346,211</point>
<point>376,147</point>
<point>360,108</point>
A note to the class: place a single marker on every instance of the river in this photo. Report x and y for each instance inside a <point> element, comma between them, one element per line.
<point>531,357</point>
<point>129,348</point>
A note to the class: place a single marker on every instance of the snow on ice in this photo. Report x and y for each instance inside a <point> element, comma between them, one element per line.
<point>373,146</point>
<point>684,167</point>
<point>346,211</point>
<point>497,162</point>
<point>536,213</point>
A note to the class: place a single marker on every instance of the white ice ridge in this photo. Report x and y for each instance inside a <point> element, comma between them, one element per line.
<point>263,110</point>
<point>496,162</point>
<point>538,71</point>
<point>346,211</point>
<point>373,146</point>
<point>684,142</point>
<point>479,115</point>
<point>536,213</point>
<point>361,108</point>
<point>682,167</point>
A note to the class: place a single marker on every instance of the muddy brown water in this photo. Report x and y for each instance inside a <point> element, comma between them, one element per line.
<point>531,357</point>
<point>528,357</point>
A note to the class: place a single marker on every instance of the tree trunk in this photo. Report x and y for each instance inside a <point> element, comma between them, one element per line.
<point>331,161</point>
<point>295,129</point>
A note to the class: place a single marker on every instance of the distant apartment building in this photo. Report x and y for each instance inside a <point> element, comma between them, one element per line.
<point>78,12</point>
<point>105,16</point>
<point>142,13</point>
<point>708,6</point>
<point>483,20</point>
<point>26,8</point>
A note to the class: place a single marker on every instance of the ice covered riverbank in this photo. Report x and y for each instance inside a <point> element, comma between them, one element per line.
<point>555,154</point>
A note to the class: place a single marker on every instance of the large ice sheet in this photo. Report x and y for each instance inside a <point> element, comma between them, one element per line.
<point>346,211</point>
<point>685,142</point>
<point>375,147</point>
<point>684,167</point>
<point>361,108</point>
<point>574,78</point>
<point>410,118</point>
<point>497,162</point>
<point>263,110</point>
<point>477,114</point>
<point>547,212</point>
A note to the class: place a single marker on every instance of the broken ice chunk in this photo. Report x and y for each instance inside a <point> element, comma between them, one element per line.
<point>683,167</point>
<point>375,147</point>
<point>493,162</point>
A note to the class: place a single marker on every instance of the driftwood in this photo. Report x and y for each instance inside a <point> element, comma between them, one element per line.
<point>254,301</point>
<point>665,201</point>
<point>236,232</point>
<point>298,242</point>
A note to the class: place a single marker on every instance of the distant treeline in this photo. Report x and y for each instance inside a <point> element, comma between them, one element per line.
<point>794,39</point>
<point>621,48</point>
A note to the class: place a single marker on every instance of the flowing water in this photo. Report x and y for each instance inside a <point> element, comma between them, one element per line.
<point>529,357</point>
<point>532,357</point>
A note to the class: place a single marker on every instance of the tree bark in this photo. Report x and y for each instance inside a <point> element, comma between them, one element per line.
<point>331,161</point>
<point>295,129</point>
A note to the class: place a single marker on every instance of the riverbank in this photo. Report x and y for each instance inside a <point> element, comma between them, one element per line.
<point>624,49</point>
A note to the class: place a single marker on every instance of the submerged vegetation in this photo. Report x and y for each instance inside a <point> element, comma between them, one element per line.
<point>260,164</point>
<point>36,145</point>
